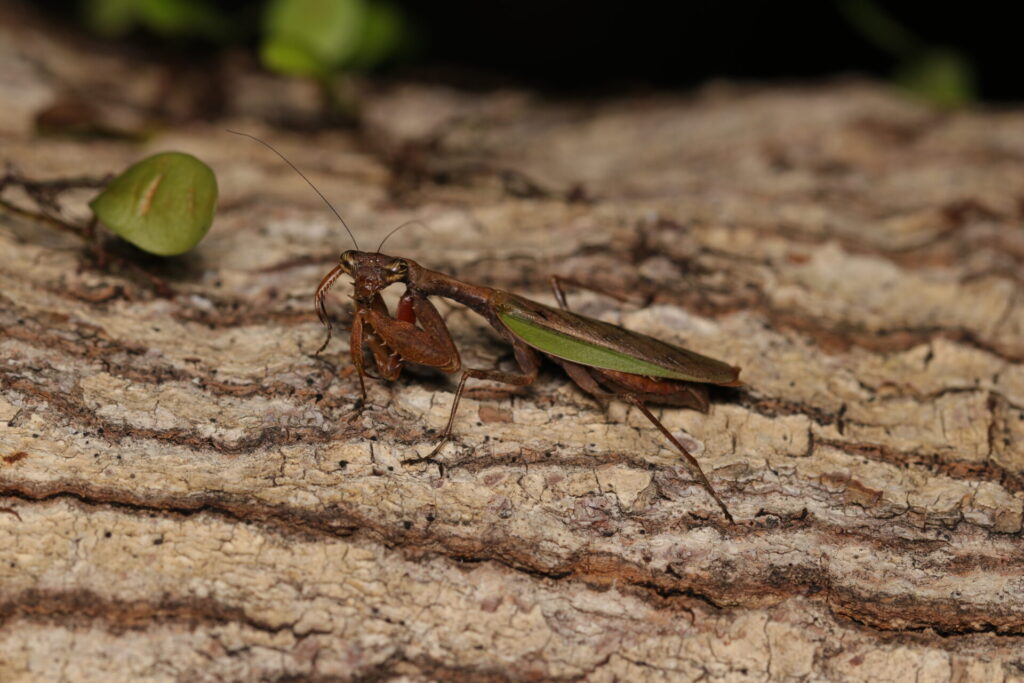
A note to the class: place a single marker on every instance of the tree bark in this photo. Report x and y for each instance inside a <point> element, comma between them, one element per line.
<point>186,492</point>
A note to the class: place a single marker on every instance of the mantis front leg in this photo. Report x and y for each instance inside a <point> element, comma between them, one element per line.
<point>420,335</point>
<point>389,364</point>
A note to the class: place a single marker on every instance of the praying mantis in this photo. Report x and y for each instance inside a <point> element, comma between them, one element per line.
<point>604,360</point>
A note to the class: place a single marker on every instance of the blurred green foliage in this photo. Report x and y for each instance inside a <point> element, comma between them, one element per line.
<point>939,75</point>
<point>318,38</point>
<point>163,204</point>
<point>311,38</point>
<point>166,18</point>
<point>321,39</point>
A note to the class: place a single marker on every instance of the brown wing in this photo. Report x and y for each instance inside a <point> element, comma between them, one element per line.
<point>600,344</point>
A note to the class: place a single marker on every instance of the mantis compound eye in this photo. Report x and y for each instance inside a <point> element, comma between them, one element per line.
<point>347,261</point>
<point>398,268</point>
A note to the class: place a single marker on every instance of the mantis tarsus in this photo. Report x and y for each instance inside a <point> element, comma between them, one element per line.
<point>604,360</point>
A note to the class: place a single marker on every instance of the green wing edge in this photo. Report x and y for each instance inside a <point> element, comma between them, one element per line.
<point>584,352</point>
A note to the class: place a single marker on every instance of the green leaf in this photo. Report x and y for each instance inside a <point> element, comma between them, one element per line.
<point>164,204</point>
<point>325,31</point>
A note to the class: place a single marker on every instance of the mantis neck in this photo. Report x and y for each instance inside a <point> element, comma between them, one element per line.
<point>476,297</point>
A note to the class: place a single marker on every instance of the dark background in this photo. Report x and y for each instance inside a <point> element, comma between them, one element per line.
<point>582,47</point>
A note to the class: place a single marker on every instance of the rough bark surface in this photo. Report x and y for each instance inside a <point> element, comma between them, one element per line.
<point>187,493</point>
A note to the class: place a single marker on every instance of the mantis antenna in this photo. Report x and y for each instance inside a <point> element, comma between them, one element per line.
<point>303,176</point>
<point>393,231</point>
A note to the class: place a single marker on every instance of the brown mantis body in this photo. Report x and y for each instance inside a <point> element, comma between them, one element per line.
<point>418,334</point>
<point>604,360</point>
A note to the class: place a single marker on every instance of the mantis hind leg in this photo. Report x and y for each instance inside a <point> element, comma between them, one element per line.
<point>675,393</point>
<point>557,283</point>
<point>584,379</point>
<point>692,461</point>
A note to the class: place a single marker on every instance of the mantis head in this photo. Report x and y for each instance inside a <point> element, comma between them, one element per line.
<point>370,272</point>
